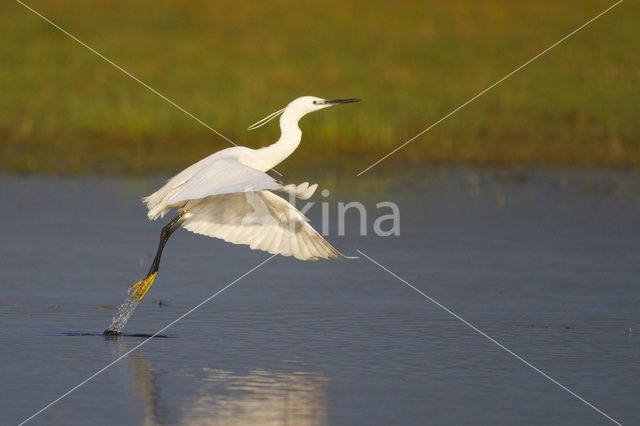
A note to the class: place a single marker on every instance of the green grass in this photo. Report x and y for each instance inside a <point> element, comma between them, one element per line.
<point>64,110</point>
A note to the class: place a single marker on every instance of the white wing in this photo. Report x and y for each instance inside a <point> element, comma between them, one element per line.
<point>262,220</point>
<point>224,176</point>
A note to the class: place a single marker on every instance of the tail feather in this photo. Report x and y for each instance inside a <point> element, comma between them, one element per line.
<point>157,202</point>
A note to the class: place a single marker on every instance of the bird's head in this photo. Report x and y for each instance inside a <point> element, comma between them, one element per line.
<point>307,104</point>
<point>302,106</point>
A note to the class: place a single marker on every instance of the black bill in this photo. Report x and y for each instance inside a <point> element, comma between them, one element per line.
<point>340,101</point>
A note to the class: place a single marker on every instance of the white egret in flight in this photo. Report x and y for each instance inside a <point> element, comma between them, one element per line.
<point>227,195</point>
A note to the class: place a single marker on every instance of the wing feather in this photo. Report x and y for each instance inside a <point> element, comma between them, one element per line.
<point>271,242</point>
<point>293,243</point>
<point>207,178</point>
<point>260,219</point>
<point>305,246</point>
<point>225,176</point>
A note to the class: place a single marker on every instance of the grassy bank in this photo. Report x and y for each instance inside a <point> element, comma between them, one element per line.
<point>66,110</point>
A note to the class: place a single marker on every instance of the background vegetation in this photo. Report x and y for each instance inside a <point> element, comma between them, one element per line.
<point>231,63</point>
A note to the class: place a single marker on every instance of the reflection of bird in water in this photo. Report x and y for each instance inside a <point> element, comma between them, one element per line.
<point>147,388</point>
<point>145,384</point>
<point>259,397</point>
<point>228,195</point>
<point>224,398</point>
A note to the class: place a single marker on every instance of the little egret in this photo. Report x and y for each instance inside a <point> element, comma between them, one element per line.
<point>227,195</point>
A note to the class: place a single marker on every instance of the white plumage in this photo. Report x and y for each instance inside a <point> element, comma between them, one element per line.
<point>262,220</point>
<point>228,194</point>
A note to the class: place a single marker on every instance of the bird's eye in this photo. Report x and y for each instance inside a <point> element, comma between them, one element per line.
<point>315,102</point>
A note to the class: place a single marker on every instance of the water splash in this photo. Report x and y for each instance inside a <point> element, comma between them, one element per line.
<point>122,315</point>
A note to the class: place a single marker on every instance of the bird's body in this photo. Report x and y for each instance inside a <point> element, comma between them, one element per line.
<point>228,195</point>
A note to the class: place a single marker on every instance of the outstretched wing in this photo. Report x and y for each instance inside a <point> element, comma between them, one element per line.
<point>203,179</point>
<point>261,220</point>
<point>222,177</point>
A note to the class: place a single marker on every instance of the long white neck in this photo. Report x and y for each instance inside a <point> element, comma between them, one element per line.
<point>290,137</point>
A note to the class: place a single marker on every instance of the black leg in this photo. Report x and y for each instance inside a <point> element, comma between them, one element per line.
<point>141,287</point>
<point>169,229</point>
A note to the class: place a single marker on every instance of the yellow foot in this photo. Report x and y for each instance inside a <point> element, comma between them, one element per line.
<point>142,287</point>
